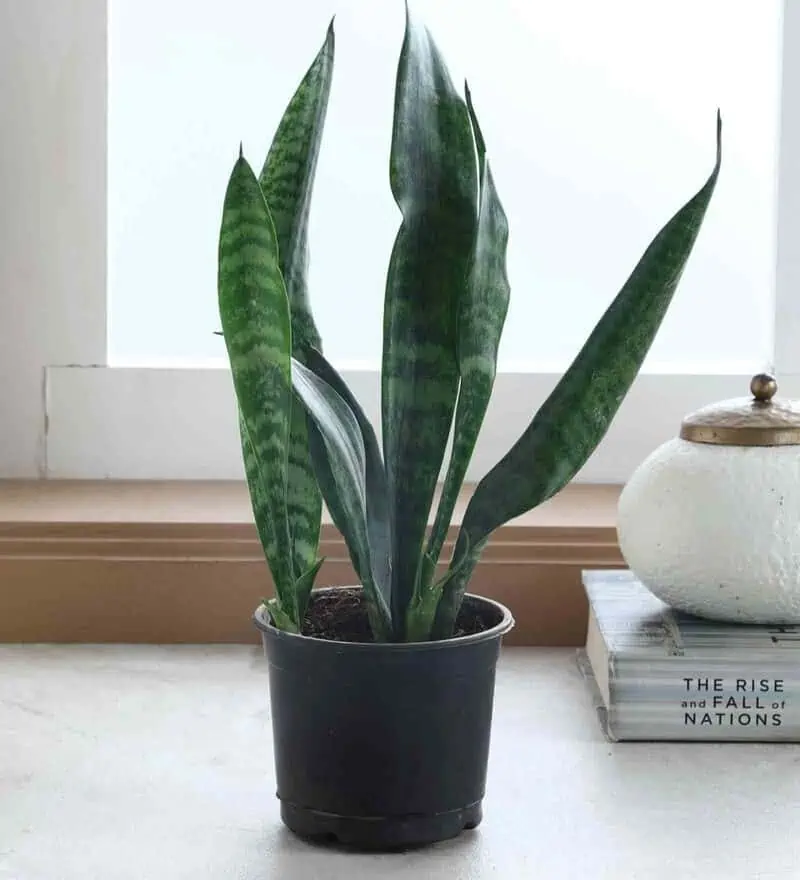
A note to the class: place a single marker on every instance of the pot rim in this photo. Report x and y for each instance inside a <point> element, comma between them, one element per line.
<point>262,621</point>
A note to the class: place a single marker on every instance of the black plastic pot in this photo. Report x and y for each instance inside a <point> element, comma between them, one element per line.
<point>382,746</point>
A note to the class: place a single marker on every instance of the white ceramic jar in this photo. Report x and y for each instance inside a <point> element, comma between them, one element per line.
<point>710,521</point>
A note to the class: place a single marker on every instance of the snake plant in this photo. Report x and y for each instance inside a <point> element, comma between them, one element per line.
<point>304,436</point>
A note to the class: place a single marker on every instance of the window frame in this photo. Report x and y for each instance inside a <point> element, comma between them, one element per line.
<point>71,415</point>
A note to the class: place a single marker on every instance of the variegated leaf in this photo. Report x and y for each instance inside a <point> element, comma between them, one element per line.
<point>433,176</point>
<point>254,310</point>
<point>337,450</point>
<point>287,181</point>
<point>482,315</point>
<point>576,416</point>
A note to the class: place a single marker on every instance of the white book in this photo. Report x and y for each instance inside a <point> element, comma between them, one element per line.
<point>659,674</point>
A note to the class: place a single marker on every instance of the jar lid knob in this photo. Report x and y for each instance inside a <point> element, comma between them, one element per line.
<point>763,387</point>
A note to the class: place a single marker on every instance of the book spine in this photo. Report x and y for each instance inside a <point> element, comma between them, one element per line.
<point>695,699</point>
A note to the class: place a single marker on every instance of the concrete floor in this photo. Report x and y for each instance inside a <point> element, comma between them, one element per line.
<point>155,764</point>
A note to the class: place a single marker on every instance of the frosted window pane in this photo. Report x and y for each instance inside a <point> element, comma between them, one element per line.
<point>599,119</point>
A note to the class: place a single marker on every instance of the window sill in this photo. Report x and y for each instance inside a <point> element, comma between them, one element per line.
<point>172,562</point>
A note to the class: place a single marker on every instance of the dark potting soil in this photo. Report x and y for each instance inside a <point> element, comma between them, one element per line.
<point>341,616</point>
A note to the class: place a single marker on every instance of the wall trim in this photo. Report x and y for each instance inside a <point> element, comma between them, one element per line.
<point>181,563</point>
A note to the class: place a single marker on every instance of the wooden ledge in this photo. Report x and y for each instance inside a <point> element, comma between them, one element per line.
<point>180,562</point>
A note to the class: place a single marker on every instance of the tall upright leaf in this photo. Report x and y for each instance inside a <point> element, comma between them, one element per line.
<point>287,180</point>
<point>337,449</point>
<point>482,315</point>
<point>434,182</point>
<point>254,311</point>
<point>378,519</point>
<point>575,417</point>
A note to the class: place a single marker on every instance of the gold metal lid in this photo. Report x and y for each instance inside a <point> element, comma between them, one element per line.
<point>747,421</point>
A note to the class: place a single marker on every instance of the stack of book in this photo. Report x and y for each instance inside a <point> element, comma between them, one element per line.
<point>659,674</point>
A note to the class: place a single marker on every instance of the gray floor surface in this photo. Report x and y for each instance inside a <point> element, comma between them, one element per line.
<point>155,763</point>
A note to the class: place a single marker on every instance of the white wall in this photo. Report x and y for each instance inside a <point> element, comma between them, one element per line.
<point>787,306</point>
<point>52,208</point>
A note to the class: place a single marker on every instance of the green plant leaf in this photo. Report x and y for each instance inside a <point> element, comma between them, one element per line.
<point>302,589</point>
<point>280,618</point>
<point>284,603</point>
<point>287,181</point>
<point>254,310</point>
<point>337,451</point>
<point>303,496</point>
<point>421,612</point>
<point>482,316</point>
<point>378,519</point>
<point>577,414</point>
<point>433,178</point>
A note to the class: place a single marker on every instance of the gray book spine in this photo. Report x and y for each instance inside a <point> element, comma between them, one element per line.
<point>662,675</point>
